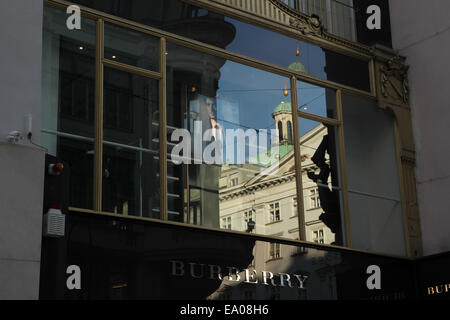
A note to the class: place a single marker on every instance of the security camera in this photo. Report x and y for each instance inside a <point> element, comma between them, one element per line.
<point>14,137</point>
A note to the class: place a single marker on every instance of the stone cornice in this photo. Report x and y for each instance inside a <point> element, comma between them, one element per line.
<point>242,191</point>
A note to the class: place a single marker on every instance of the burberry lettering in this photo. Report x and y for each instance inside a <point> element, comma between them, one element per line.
<point>214,272</point>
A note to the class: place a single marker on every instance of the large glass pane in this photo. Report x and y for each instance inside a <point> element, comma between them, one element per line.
<point>131,47</point>
<point>298,55</point>
<point>320,183</point>
<point>373,178</point>
<point>130,182</point>
<point>79,155</point>
<point>316,100</point>
<point>193,22</point>
<point>235,132</point>
<point>131,106</point>
<point>68,78</point>
<point>131,144</point>
<point>68,101</point>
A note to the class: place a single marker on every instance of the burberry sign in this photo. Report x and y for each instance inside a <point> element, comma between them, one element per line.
<point>215,272</point>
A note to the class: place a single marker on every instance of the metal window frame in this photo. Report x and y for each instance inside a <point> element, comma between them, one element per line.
<point>101,62</point>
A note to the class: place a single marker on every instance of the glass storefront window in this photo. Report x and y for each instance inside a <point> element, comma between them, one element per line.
<point>190,21</point>
<point>68,100</point>
<point>373,178</point>
<point>79,155</point>
<point>298,56</point>
<point>322,193</point>
<point>131,144</point>
<point>131,47</point>
<point>316,100</point>
<point>230,135</point>
<point>248,113</point>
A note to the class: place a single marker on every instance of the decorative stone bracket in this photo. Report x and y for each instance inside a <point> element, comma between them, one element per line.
<point>391,78</point>
<point>308,25</point>
<point>394,80</point>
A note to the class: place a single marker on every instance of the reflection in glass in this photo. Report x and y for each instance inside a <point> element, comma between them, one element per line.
<point>68,101</point>
<point>316,100</point>
<point>79,155</point>
<point>131,106</point>
<point>251,183</point>
<point>373,178</point>
<point>299,56</point>
<point>130,182</point>
<point>277,49</point>
<point>131,144</point>
<point>296,273</point>
<point>193,22</point>
<point>131,47</point>
<point>320,179</point>
<point>144,261</point>
<point>68,78</point>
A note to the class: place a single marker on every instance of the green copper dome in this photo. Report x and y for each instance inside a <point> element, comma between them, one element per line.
<point>283,107</point>
<point>298,66</point>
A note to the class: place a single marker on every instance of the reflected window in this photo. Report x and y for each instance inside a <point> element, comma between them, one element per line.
<point>274,251</point>
<point>274,212</point>
<point>318,236</point>
<point>248,215</point>
<point>226,223</point>
<point>280,131</point>
<point>314,198</point>
<point>289,131</point>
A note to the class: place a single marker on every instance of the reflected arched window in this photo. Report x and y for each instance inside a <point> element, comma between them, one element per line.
<point>289,131</point>
<point>280,131</point>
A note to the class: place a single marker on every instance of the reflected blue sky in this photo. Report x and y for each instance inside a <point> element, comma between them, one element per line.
<point>276,48</point>
<point>247,97</point>
<point>256,93</point>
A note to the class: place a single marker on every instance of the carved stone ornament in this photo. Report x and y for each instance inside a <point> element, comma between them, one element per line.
<point>308,25</point>
<point>394,80</point>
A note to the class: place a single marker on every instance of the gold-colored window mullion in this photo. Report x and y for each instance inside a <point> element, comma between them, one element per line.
<point>298,163</point>
<point>316,118</point>
<point>98,140</point>
<point>131,69</point>
<point>403,198</point>
<point>163,131</point>
<point>343,170</point>
<point>373,85</point>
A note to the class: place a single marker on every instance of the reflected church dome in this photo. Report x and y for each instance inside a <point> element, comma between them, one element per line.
<point>298,67</point>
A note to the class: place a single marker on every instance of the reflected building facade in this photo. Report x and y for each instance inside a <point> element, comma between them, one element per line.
<point>251,192</point>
